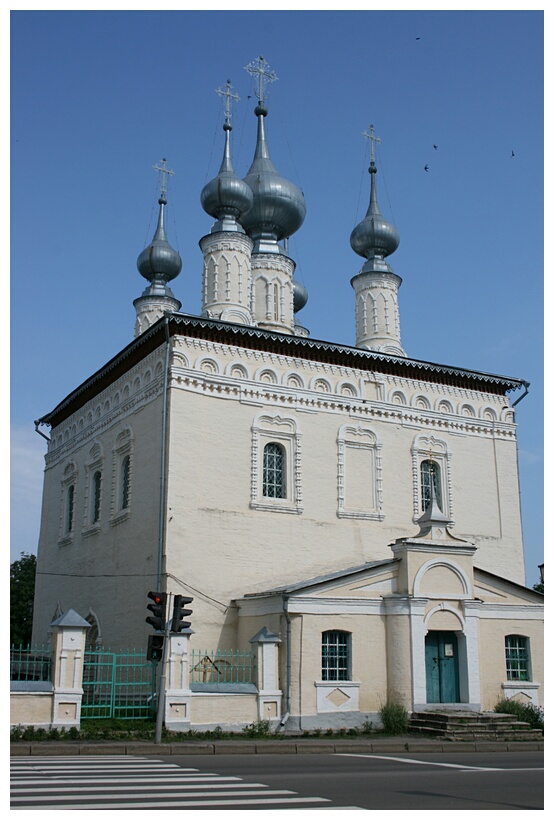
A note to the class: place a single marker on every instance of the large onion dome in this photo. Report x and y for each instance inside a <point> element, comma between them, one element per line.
<point>279,207</point>
<point>374,237</point>
<point>159,262</point>
<point>227,197</point>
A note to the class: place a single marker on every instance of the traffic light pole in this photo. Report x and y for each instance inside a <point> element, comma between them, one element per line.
<point>161,688</point>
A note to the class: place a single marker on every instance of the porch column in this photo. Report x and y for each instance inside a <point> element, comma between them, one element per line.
<point>470,677</point>
<point>178,694</point>
<point>405,649</point>
<point>265,645</point>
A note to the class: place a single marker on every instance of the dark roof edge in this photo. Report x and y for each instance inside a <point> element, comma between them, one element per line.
<point>321,579</point>
<point>508,581</point>
<point>300,341</point>
<point>154,336</point>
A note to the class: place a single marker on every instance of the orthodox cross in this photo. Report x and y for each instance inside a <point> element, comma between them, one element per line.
<point>265,76</point>
<point>229,96</point>
<point>371,136</point>
<point>163,170</point>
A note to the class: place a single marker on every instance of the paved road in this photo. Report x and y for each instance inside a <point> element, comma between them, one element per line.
<point>495,781</point>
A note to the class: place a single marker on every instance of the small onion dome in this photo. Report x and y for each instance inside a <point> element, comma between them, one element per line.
<point>300,295</point>
<point>374,236</point>
<point>159,261</point>
<point>279,207</point>
<point>227,195</point>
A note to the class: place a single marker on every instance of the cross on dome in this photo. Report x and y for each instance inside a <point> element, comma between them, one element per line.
<point>265,76</point>
<point>228,94</point>
<point>371,136</point>
<point>164,172</point>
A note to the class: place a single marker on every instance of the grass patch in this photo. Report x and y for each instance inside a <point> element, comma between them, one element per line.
<point>527,712</point>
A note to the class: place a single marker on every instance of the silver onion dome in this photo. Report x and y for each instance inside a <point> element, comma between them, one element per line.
<point>374,236</point>
<point>159,262</point>
<point>227,197</point>
<point>299,294</point>
<point>279,207</point>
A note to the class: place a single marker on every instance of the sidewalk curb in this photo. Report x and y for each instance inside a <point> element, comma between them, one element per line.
<point>285,746</point>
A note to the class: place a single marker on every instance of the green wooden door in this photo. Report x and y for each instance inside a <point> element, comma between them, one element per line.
<point>441,667</point>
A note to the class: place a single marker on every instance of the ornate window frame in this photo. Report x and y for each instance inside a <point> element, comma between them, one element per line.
<point>94,466</point>
<point>281,430</point>
<point>429,448</point>
<point>67,508</point>
<point>122,472</point>
<point>359,437</point>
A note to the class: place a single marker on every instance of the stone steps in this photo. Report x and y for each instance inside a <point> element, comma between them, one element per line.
<point>460,725</point>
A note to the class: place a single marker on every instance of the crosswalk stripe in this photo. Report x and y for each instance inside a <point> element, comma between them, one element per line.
<point>247,792</point>
<point>127,784</point>
<point>159,804</point>
<point>115,779</point>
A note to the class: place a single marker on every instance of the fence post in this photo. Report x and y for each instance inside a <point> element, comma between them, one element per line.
<point>68,648</point>
<point>265,645</point>
<point>178,693</point>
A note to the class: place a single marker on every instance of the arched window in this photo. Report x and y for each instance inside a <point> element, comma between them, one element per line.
<point>96,493</point>
<point>70,508</point>
<point>430,471</point>
<point>517,657</point>
<point>274,475</point>
<point>335,655</point>
<point>125,481</point>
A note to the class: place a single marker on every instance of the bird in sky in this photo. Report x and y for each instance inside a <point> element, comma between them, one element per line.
<point>435,147</point>
<point>426,168</point>
<point>513,154</point>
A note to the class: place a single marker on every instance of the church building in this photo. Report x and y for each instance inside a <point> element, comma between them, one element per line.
<point>358,505</point>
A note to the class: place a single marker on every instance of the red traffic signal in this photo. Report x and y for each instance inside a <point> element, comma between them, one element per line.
<point>158,608</point>
<point>180,612</point>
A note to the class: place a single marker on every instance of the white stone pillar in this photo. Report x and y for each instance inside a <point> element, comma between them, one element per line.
<point>178,694</point>
<point>265,645</point>
<point>68,636</point>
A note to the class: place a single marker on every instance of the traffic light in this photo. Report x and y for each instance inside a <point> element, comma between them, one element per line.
<point>180,612</point>
<point>157,619</point>
<point>155,648</point>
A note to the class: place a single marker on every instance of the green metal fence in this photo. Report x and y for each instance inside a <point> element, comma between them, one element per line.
<point>221,666</point>
<point>118,684</point>
<point>32,663</point>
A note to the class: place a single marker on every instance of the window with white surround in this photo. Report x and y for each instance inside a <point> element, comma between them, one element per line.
<point>122,484</point>
<point>94,485</point>
<point>68,500</point>
<point>336,655</point>
<point>96,496</point>
<point>276,482</point>
<point>274,471</point>
<point>517,657</point>
<point>431,460</point>
<point>430,477</point>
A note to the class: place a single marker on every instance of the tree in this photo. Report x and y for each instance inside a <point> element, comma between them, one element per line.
<point>22,593</point>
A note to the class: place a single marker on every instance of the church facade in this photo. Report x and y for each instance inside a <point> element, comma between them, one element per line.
<point>360,505</point>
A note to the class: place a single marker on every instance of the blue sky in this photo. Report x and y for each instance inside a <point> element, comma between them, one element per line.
<point>98,98</point>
